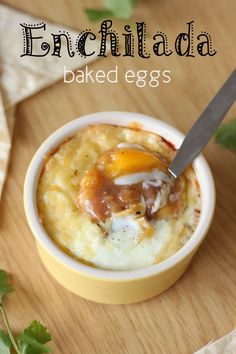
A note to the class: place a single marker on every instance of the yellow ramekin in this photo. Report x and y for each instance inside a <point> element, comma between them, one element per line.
<point>115,287</point>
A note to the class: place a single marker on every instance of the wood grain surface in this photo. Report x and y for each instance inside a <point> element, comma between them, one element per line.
<point>202,305</point>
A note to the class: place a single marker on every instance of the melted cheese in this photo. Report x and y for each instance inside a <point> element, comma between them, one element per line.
<point>133,242</point>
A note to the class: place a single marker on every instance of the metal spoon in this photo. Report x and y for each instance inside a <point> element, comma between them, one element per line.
<point>206,125</point>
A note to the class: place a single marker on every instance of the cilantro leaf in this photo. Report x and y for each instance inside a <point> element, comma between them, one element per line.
<point>5,285</point>
<point>226,135</point>
<point>33,339</point>
<point>121,8</point>
<point>97,14</point>
<point>5,343</point>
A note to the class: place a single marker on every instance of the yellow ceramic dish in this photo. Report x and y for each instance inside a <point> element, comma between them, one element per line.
<point>109,286</point>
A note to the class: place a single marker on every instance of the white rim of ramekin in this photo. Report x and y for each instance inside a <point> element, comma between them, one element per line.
<point>124,119</point>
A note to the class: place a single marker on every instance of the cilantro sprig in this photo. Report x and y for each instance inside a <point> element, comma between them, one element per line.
<point>32,340</point>
<point>122,9</point>
<point>226,135</point>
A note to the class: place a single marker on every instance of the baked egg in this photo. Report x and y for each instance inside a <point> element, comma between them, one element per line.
<point>106,198</point>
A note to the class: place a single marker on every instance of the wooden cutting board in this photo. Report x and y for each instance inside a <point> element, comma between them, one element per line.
<point>202,305</point>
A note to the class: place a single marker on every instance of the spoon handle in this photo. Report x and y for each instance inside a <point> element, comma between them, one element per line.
<point>206,125</point>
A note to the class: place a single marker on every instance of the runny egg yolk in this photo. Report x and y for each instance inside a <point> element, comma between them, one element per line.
<point>119,162</point>
<point>101,197</point>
